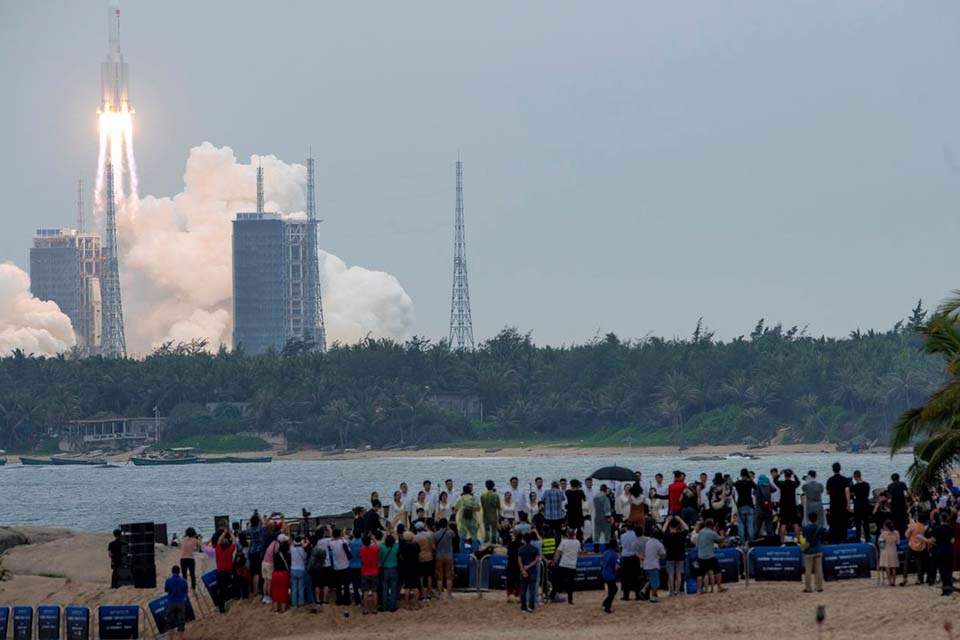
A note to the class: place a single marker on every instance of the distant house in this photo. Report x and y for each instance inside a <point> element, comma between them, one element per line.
<point>468,405</point>
<point>110,433</point>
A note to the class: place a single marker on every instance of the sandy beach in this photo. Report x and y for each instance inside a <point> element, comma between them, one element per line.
<point>71,568</point>
<point>561,450</point>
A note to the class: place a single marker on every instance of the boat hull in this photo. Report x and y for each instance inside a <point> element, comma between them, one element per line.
<point>237,460</point>
<point>159,462</point>
<point>35,462</point>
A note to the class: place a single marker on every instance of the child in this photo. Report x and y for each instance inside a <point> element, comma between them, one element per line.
<point>609,564</point>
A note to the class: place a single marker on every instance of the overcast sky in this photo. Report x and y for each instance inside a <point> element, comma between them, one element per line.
<point>629,166</point>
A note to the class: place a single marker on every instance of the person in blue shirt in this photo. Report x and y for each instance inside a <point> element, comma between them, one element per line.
<point>609,563</point>
<point>355,544</point>
<point>176,590</point>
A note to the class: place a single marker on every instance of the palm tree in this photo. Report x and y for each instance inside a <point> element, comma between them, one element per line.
<point>938,421</point>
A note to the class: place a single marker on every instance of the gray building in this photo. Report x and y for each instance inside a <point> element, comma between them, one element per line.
<point>260,282</point>
<point>65,267</point>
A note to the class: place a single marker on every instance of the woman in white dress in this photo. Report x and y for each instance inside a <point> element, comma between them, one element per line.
<point>623,503</point>
<point>444,508</point>
<point>508,510</point>
<point>423,503</point>
<point>398,512</point>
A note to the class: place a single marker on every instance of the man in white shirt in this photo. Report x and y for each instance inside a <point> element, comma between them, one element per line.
<point>406,498</point>
<point>452,494</point>
<point>653,553</point>
<point>565,565</point>
<point>538,487</point>
<point>630,564</point>
<point>588,508</point>
<point>518,496</point>
<point>431,498</point>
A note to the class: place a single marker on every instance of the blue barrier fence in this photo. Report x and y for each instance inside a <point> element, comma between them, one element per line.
<point>840,562</point>
<point>22,623</point>
<point>48,622</point>
<point>4,621</point>
<point>77,623</point>
<point>729,558</point>
<point>158,611</point>
<point>119,622</point>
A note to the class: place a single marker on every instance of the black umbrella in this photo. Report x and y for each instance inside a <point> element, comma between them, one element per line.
<point>620,474</point>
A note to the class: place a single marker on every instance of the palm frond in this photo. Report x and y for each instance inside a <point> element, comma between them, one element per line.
<point>934,457</point>
<point>906,428</point>
<point>950,306</point>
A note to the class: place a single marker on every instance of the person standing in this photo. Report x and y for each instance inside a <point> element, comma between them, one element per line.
<point>916,551</point>
<point>369,571</point>
<point>609,564</point>
<point>708,572</point>
<point>519,497</point>
<point>529,558</point>
<point>765,506</point>
<point>812,552</point>
<point>653,553</point>
<point>812,497</point>
<point>942,534</point>
<point>675,493</point>
<point>630,563</point>
<point>838,489</point>
<point>176,589</point>
<point>565,565</point>
<point>390,578</point>
<point>490,507</point>
<point>788,484</point>
<point>280,582</point>
<point>602,517</point>
<point>339,556</point>
<point>553,507</point>
<point>888,540</point>
<point>298,573</point>
<point>575,499</point>
<point>189,545</point>
<point>675,543</point>
<point>115,552</point>
<point>225,549</point>
<point>399,513</point>
<point>745,488</point>
<point>860,492</point>
<point>467,509</point>
<point>899,496</point>
<point>443,543</point>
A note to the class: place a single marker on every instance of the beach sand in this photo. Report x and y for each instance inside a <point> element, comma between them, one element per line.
<point>855,609</point>
<point>562,450</point>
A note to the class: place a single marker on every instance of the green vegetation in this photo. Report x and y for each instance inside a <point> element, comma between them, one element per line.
<point>223,443</point>
<point>936,423</point>
<point>609,391</point>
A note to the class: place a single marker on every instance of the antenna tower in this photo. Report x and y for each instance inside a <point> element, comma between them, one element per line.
<point>461,324</point>
<point>313,323</point>
<point>260,189</point>
<point>113,344</point>
<point>80,221</point>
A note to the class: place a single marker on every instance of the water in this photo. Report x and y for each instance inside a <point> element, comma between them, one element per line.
<point>97,499</point>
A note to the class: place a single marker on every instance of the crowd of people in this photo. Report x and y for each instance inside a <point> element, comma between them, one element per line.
<point>399,552</point>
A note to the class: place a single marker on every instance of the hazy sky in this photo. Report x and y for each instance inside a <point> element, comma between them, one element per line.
<point>629,166</point>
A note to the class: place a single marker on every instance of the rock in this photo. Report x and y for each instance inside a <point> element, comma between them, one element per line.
<point>10,538</point>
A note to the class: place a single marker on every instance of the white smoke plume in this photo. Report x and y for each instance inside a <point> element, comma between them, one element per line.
<point>176,259</point>
<point>35,326</point>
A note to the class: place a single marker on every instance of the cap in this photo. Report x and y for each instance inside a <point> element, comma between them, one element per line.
<point>418,526</point>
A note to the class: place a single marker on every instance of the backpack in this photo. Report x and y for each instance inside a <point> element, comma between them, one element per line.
<point>318,557</point>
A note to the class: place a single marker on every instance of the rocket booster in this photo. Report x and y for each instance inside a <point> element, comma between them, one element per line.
<point>114,88</point>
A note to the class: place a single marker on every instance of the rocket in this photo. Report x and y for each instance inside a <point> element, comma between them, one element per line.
<point>113,71</point>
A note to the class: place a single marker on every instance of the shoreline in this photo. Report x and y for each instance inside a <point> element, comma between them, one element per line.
<point>547,451</point>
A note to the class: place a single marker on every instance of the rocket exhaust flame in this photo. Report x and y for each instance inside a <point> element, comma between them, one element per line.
<point>116,124</point>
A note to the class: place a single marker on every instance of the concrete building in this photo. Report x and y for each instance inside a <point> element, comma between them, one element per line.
<point>260,288</point>
<point>65,267</point>
<point>110,433</point>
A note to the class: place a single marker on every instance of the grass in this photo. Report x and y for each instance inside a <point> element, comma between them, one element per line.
<point>223,443</point>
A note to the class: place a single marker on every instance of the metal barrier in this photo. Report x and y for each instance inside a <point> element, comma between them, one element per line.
<point>842,561</point>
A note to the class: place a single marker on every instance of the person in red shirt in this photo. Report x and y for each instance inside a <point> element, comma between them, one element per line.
<point>225,549</point>
<point>369,572</point>
<point>675,492</point>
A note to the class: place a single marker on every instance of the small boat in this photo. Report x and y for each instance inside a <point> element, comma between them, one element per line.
<point>76,461</point>
<point>260,459</point>
<point>214,460</point>
<point>159,461</point>
<point>34,462</point>
<point>177,456</point>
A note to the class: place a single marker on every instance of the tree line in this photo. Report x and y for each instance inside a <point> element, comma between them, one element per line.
<point>774,382</point>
